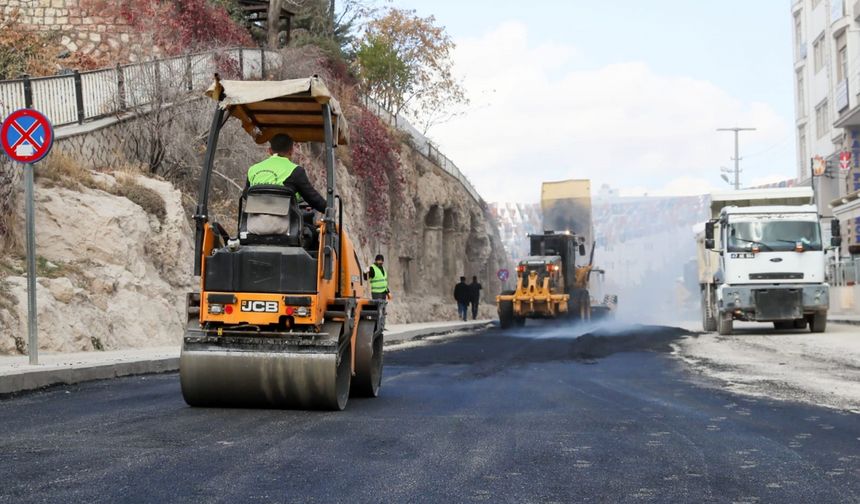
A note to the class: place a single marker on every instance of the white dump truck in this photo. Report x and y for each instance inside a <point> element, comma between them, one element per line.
<point>761,258</point>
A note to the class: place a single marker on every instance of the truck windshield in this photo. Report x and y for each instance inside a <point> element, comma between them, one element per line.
<point>773,235</point>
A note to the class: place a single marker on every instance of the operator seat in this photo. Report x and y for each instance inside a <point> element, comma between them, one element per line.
<point>277,205</point>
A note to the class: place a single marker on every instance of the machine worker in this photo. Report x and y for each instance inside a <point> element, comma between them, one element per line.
<point>462,295</point>
<point>475,296</point>
<point>278,169</point>
<point>378,279</point>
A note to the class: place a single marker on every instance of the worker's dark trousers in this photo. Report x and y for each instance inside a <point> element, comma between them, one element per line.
<point>379,295</point>
<point>463,309</point>
<point>474,310</point>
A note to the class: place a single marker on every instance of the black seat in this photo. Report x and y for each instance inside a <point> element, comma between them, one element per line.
<point>272,194</point>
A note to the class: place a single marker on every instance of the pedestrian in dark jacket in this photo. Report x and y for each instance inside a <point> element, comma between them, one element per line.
<point>475,296</point>
<point>462,296</point>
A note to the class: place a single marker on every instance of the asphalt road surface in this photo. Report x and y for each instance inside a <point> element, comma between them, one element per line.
<point>490,417</point>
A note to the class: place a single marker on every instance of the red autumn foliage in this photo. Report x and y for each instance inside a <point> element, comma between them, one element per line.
<point>375,162</point>
<point>176,26</point>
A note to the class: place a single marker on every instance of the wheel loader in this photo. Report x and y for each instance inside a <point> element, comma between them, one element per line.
<point>287,320</point>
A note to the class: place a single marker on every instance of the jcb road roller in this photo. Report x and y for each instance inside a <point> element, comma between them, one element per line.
<point>283,320</point>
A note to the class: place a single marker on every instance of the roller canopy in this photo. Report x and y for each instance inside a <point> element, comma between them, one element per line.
<point>294,107</point>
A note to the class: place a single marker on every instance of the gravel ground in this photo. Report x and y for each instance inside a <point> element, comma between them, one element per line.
<point>796,365</point>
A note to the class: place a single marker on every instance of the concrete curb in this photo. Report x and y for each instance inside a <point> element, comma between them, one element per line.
<point>40,378</point>
<point>401,336</point>
<point>25,379</point>
<point>843,321</point>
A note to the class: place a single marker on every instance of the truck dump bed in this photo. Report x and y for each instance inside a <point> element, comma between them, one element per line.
<point>566,206</point>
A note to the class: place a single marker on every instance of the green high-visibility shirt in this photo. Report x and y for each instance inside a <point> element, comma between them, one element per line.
<point>273,171</point>
<point>379,282</point>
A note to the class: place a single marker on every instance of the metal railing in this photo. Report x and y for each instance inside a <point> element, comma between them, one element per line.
<point>846,272</point>
<point>78,97</point>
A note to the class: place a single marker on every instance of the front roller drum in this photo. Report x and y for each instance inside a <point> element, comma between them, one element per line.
<point>368,360</point>
<point>265,373</point>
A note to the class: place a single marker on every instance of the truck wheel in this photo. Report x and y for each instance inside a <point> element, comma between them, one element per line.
<point>709,321</point>
<point>782,325</point>
<point>506,314</point>
<point>725,325</point>
<point>818,322</point>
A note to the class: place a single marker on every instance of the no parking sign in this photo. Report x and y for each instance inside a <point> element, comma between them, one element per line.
<point>26,137</point>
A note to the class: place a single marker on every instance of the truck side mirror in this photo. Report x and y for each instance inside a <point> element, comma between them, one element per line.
<point>709,232</point>
<point>581,249</point>
<point>709,243</point>
<point>835,230</point>
<point>836,241</point>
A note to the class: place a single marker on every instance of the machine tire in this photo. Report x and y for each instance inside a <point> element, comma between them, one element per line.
<point>725,325</point>
<point>818,322</point>
<point>368,361</point>
<point>519,321</point>
<point>506,314</point>
<point>709,320</point>
<point>800,323</point>
<point>783,325</point>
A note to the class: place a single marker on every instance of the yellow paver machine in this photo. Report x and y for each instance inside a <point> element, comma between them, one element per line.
<point>287,320</point>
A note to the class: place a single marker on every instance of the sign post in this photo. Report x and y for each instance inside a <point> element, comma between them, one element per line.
<point>26,137</point>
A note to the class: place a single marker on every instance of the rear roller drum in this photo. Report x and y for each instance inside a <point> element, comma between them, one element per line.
<point>368,360</point>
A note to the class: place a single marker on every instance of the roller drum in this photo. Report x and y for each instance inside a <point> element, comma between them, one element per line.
<point>265,372</point>
<point>368,360</point>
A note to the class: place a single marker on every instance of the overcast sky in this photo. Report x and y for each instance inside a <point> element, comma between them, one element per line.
<point>624,92</point>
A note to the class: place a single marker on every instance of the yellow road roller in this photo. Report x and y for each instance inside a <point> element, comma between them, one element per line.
<point>281,320</point>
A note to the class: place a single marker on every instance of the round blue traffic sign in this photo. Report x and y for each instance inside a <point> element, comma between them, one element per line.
<point>26,136</point>
<point>503,274</point>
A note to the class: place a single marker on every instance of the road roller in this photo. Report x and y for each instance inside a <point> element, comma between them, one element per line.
<point>283,320</point>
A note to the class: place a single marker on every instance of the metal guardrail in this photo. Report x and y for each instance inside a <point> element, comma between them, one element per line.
<point>846,272</point>
<point>78,97</point>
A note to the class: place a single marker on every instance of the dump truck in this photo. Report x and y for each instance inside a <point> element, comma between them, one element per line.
<point>761,257</point>
<point>286,320</point>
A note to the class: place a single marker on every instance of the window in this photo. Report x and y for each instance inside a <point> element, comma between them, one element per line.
<point>842,62</point>
<point>822,119</point>
<point>801,95</point>
<point>798,35</point>
<point>801,147</point>
<point>773,236</point>
<point>818,53</point>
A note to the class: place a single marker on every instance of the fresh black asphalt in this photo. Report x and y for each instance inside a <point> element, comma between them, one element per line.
<point>490,417</point>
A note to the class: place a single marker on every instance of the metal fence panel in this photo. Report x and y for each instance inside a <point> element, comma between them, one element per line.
<point>11,97</point>
<point>100,90</point>
<point>55,97</point>
<point>173,75</point>
<point>140,84</point>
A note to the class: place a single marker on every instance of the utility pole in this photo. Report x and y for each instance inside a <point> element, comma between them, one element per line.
<point>737,158</point>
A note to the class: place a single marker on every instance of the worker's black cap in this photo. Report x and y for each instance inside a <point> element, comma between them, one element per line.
<point>379,257</point>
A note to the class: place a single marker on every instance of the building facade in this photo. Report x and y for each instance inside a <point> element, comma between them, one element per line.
<point>826,41</point>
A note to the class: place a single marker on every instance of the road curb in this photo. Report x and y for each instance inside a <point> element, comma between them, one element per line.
<point>24,379</point>
<point>843,321</point>
<point>41,378</point>
<point>426,332</point>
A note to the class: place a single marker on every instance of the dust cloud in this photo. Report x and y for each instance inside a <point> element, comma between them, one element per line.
<point>647,248</point>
